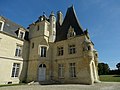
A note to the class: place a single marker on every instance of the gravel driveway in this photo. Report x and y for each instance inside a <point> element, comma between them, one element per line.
<point>98,86</point>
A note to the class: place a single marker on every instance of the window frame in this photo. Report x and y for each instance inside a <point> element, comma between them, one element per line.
<point>72,49</point>
<point>23,34</point>
<point>15,70</point>
<point>72,67</point>
<point>61,70</point>
<point>18,51</point>
<point>43,51</point>
<point>60,51</point>
<point>33,45</point>
<point>2,25</point>
<point>38,27</point>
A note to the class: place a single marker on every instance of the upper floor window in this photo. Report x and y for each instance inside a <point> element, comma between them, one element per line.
<point>43,51</point>
<point>72,49</point>
<point>15,70</point>
<point>72,70</point>
<point>32,45</point>
<point>18,51</point>
<point>89,47</point>
<point>60,51</point>
<point>1,25</point>
<point>60,70</point>
<point>38,28</point>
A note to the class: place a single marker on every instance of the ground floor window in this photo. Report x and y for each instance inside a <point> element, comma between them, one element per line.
<point>60,70</point>
<point>15,70</point>
<point>72,70</point>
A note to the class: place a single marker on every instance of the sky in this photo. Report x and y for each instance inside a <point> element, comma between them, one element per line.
<point>100,17</point>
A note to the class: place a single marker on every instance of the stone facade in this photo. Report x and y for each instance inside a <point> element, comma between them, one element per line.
<point>56,50</point>
<point>8,46</point>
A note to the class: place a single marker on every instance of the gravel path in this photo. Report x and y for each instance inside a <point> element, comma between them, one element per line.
<point>98,86</point>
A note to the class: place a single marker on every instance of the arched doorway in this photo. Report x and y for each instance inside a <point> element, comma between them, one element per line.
<point>42,72</point>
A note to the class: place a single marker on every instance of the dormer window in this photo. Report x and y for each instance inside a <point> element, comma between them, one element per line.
<point>21,33</point>
<point>1,25</point>
<point>71,32</point>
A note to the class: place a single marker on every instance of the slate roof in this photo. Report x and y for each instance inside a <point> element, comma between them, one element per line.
<point>69,20</point>
<point>11,28</point>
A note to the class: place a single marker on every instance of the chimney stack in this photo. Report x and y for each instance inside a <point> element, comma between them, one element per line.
<point>59,18</point>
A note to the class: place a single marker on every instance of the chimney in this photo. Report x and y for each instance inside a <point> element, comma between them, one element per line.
<point>59,18</point>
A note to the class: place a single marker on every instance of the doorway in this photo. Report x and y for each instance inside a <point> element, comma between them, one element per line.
<point>42,72</point>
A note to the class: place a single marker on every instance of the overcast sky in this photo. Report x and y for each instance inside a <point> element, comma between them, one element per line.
<point>100,17</point>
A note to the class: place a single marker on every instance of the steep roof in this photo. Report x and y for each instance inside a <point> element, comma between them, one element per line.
<point>69,20</point>
<point>10,27</point>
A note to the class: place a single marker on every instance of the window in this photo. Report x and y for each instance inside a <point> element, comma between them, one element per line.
<point>43,51</point>
<point>1,25</point>
<point>72,49</point>
<point>18,51</point>
<point>72,70</point>
<point>71,32</point>
<point>32,45</point>
<point>89,47</point>
<point>60,51</point>
<point>60,70</point>
<point>15,70</point>
<point>38,28</point>
<point>21,35</point>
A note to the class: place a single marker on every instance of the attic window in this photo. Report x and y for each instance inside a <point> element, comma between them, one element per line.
<point>71,32</point>
<point>1,25</point>
<point>21,33</point>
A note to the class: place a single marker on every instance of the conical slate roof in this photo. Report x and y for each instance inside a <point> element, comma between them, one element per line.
<point>69,20</point>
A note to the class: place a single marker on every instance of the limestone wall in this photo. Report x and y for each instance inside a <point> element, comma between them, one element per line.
<point>7,58</point>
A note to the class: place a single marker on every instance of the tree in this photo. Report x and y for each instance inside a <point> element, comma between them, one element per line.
<point>103,69</point>
<point>118,66</point>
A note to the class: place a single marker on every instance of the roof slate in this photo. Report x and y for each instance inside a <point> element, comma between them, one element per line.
<point>10,27</point>
<point>69,20</point>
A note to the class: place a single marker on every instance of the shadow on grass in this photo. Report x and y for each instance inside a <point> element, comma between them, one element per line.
<point>116,76</point>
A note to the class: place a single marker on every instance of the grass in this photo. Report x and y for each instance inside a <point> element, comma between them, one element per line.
<point>11,84</point>
<point>110,78</point>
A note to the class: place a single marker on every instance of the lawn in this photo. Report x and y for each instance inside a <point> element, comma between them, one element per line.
<point>12,84</point>
<point>110,78</point>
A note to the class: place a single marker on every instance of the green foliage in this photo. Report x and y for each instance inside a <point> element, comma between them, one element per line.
<point>12,84</point>
<point>103,69</point>
<point>118,66</point>
<point>110,78</point>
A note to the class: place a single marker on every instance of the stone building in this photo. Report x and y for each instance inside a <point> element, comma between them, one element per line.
<point>13,51</point>
<point>52,50</point>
